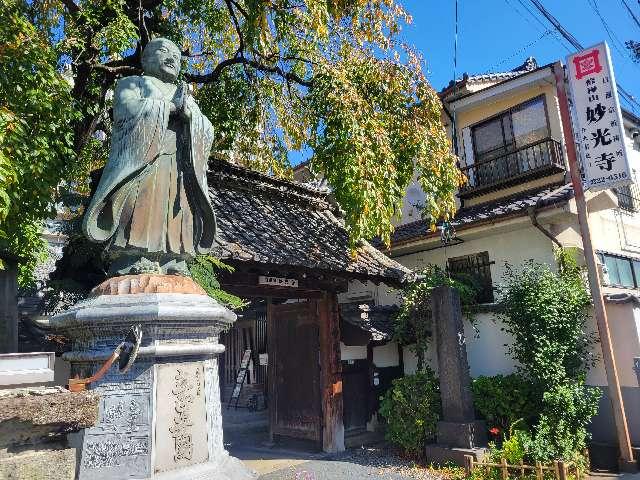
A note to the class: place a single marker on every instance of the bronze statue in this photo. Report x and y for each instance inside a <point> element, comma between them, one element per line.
<point>152,203</point>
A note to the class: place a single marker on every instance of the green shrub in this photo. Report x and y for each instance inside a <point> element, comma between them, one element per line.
<point>562,430</point>
<point>546,313</point>
<point>412,408</point>
<point>413,322</point>
<point>515,446</point>
<point>502,400</point>
<point>204,270</point>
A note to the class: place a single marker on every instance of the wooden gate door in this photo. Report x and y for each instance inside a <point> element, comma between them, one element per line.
<point>356,392</point>
<point>295,406</point>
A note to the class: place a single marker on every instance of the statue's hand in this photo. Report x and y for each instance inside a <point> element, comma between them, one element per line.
<point>186,110</point>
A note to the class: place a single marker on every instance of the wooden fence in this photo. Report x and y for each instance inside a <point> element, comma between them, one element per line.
<point>560,470</point>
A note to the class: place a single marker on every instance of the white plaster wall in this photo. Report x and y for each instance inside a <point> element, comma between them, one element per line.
<point>516,247</point>
<point>386,355</point>
<point>411,361</point>
<point>487,346</point>
<point>368,291</point>
<point>624,325</point>
<point>486,349</point>
<point>352,352</point>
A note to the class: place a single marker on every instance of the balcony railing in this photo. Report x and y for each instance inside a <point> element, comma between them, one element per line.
<point>536,159</point>
<point>628,197</point>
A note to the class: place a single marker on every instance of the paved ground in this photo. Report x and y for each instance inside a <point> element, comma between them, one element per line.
<point>277,463</point>
<point>246,438</point>
<point>357,464</point>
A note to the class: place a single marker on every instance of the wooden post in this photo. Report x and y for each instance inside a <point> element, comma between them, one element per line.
<point>556,470</point>
<point>626,454</point>
<point>505,470</point>
<point>521,468</point>
<point>538,470</point>
<point>271,368</point>
<point>468,465</point>
<point>562,470</point>
<point>9,307</point>
<point>330,375</point>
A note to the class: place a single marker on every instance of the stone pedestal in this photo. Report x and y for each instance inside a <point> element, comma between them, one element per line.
<point>459,433</point>
<point>162,419</point>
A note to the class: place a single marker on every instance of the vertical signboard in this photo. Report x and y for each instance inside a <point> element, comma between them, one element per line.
<point>598,118</point>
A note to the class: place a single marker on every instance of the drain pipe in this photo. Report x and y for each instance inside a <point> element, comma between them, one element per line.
<point>532,211</point>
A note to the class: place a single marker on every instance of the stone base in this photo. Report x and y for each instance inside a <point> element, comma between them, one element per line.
<point>462,434</point>
<point>441,455</point>
<point>41,464</point>
<point>628,466</point>
<point>228,468</point>
<point>162,418</point>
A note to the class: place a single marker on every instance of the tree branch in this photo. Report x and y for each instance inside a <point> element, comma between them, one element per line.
<point>71,6</point>
<point>236,25</point>
<point>126,69</point>
<point>240,9</point>
<point>241,60</point>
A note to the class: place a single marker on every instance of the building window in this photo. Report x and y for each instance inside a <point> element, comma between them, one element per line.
<point>620,271</point>
<point>628,197</point>
<point>522,125</point>
<point>476,269</point>
<point>511,145</point>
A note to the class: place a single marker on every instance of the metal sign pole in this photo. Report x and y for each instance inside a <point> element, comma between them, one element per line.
<point>627,462</point>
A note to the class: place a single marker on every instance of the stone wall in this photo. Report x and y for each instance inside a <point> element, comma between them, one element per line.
<point>35,425</point>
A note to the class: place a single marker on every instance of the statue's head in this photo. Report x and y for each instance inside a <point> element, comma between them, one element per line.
<point>161,59</point>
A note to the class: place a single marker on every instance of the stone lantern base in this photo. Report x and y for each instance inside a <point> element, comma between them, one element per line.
<point>161,419</point>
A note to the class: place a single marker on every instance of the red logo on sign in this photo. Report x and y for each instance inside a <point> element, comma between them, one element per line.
<point>587,64</point>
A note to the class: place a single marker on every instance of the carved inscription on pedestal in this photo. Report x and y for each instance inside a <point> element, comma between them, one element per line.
<point>119,445</point>
<point>181,421</point>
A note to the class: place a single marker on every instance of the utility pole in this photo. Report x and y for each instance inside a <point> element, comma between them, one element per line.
<point>627,463</point>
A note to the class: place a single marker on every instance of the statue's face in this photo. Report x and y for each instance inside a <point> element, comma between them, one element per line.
<point>161,59</point>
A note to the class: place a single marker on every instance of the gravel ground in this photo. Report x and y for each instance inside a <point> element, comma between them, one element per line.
<point>363,463</point>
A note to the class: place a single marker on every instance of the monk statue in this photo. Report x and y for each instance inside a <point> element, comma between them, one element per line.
<point>151,205</point>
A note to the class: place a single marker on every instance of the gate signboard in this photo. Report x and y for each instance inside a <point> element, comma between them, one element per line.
<point>598,117</point>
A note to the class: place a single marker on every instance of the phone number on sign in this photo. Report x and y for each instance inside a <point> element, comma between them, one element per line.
<point>611,178</point>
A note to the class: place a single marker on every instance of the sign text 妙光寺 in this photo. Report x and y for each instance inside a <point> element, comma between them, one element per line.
<point>598,119</point>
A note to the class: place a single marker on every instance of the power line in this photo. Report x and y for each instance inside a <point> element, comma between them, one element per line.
<point>520,50</point>
<point>576,44</point>
<point>570,38</point>
<point>544,27</point>
<point>626,5</point>
<point>455,82</point>
<point>540,27</point>
<point>615,41</point>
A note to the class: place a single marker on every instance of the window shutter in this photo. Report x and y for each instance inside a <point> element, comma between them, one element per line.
<point>468,146</point>
<point>468,154</point>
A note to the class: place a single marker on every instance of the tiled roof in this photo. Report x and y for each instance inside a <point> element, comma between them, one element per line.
<point>529,65</point>
<point>622,298</point>
<point>277,222</point>
<point>493,210</point>
<point>499,76</point>
<point>375,319</point>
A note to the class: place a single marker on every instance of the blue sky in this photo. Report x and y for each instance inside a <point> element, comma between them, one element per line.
<point>498,35</point>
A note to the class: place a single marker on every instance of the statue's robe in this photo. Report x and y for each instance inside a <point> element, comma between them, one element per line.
<point>153,195</point>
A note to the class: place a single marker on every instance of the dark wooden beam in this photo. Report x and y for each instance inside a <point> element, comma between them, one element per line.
<point>248,272</point>
<point>9,308</point>
<point>331,375</point>
<point>246,291</point>
<point>271,369</point>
